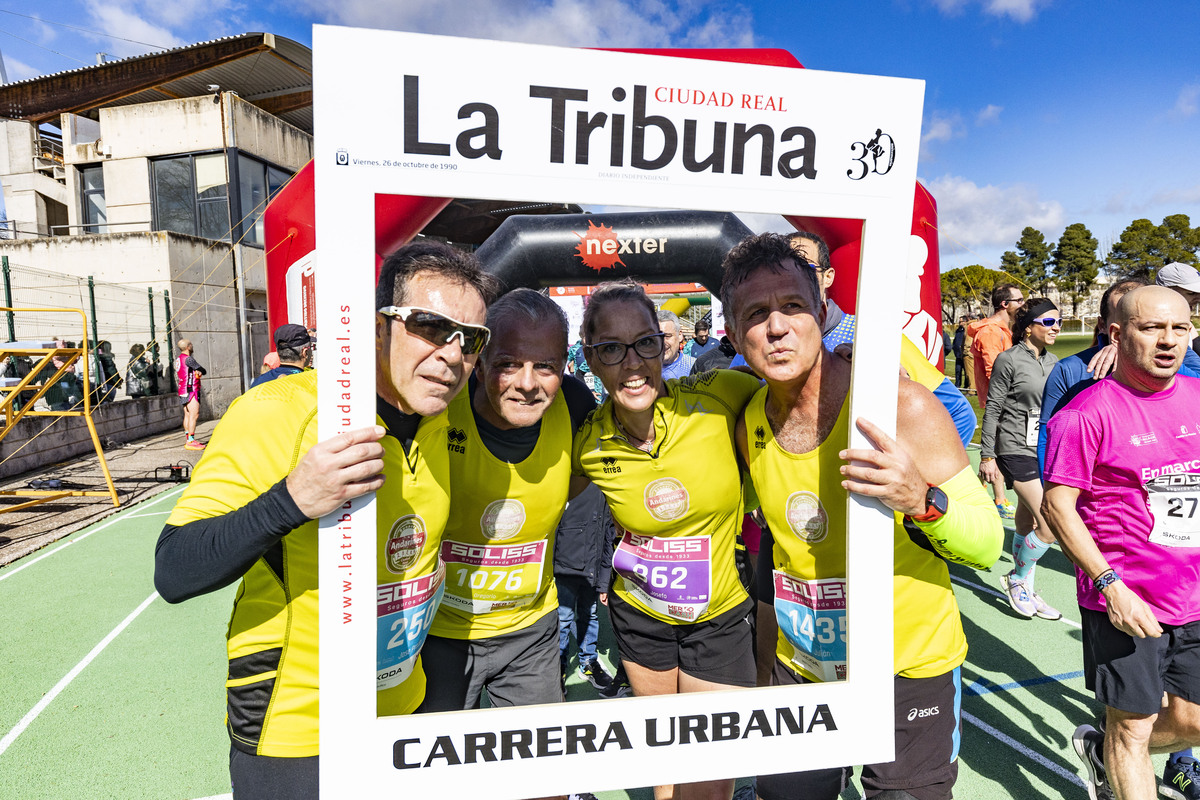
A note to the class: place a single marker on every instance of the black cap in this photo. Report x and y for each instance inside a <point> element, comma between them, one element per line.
<point>293,336</point>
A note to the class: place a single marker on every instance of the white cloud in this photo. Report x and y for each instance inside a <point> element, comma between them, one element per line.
<point>577,23</point>
<point>989,114</point>
<point>1180,196</point>
<point>1017,10</point>
<point>19,70</point>
<point>990,216</point>
<point>1188,102</point>
<point>120,21</point>
<point>940,127</point>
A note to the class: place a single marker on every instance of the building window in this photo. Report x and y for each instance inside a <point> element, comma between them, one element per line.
<point>191,195</point>
<point>258,182</point>
<point>93,210</point>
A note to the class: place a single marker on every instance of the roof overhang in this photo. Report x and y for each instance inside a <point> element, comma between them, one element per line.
<point>269,71</point>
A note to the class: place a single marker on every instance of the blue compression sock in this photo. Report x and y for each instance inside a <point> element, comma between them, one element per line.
<point>1017,539</point>
<point>1031,549</point>
<point>1171,759</point>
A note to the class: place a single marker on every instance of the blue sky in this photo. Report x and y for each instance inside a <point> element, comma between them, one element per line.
<point>1037,112</point>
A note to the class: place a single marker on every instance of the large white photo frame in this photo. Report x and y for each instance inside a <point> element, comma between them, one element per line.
<point>844,146</point>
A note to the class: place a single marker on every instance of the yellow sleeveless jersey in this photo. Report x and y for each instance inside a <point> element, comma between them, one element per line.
<point>499,543</point>
<point>680,506</point>
<point>272,637</point>
<point>805,506</point>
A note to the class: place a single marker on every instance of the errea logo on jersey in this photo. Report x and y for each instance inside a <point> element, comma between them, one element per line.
<point>609,465</point>
<point>456,440</point>
<point>405,542</point>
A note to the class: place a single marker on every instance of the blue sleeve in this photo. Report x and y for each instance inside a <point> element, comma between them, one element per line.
<point>959,407</point>
<point>1056,387</point>
<point>1191,364</point>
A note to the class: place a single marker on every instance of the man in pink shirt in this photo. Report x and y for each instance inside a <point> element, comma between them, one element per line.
<point>1122,494</point>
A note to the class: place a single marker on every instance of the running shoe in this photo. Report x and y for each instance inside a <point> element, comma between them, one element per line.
<point>1018,595</point>
<point>1089,746</point>
<point>1046,611</point>
<point>618,688</point>
<point>1006,510</point>
<point>1181,779</point>
<point>594,673</point>
<point>581,796</point>
<point>194,445</point>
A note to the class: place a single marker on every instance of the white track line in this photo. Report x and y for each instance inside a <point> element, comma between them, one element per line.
<point>1057,769</point>
<point>995,593</point>
<point>8,573</point>
<point>217,797</point>
<point>33,713</point>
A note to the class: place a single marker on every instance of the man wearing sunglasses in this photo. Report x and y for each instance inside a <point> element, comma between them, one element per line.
<point>251,511</point>
<point>509,441</point>
<point>992,336</point>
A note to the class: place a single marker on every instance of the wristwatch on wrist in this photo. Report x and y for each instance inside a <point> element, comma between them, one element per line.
<point>936,506</point>
<point>1106,579</point>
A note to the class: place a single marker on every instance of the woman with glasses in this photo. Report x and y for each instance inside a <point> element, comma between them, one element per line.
<point>1010,434</point>
<point>663,454</point>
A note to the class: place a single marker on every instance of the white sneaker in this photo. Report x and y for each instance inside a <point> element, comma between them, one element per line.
<point>1018,595</point>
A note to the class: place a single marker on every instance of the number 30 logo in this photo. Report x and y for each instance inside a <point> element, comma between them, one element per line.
<point>875,156</point>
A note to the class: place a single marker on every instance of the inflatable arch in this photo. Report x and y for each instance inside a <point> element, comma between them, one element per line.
<point>540,251</point>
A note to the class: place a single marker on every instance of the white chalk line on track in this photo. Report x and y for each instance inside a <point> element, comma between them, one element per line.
<point>8,573</point>
<point>996,593</point>
<point>1029,753</point>
<point>48,698</point>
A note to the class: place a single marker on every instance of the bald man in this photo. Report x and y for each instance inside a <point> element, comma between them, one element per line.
<point>1123,495</point>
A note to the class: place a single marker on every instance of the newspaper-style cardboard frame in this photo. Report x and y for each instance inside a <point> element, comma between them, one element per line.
<point>484,119</point>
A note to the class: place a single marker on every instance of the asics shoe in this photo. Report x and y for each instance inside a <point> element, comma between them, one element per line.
<point>594,673</point>
<point>1181,779</point>
<point>194,445</point>
<point>1044,609</point>
<point>1018,595</point>
<point>618,688</point>
<point>1089,746</point>
<point>1007,511</point>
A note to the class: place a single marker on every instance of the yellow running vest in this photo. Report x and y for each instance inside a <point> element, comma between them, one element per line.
<point>272,636</point>
<point>805,507</point>
<point>499,543</point>
<point>681,505</point>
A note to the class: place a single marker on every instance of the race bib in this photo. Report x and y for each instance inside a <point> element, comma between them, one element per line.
<point>405,612</point>
<point>672,576</point>
<point>1032,422</point>
<point>481,578</point>
<point>1175,506</point>
<point>812,618</point>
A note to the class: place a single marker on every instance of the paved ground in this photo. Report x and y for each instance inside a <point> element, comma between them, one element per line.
<point>132,466</point>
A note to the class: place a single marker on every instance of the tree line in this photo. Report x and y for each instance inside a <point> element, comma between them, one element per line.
<point>1073,265</point>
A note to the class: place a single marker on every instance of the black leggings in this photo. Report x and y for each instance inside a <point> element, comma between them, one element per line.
<point>268,778</point>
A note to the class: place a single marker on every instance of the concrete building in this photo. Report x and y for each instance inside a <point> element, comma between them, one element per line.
<point>154,171</point>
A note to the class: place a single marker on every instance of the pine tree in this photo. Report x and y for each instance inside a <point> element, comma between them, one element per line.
<point>1075,263</point>
<point>1035,258</point>
<point>1010,264</point>
<point>1144,247</point>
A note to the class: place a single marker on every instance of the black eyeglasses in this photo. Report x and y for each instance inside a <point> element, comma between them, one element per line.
<point>1015,300</point>
<point>1048,322</point>
<point>439,329</point>
<point>611,353</point>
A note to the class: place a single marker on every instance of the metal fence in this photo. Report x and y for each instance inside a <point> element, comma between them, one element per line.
<point>129,318</point>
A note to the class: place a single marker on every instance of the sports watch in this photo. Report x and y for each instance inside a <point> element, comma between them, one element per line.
<point>936,506</point>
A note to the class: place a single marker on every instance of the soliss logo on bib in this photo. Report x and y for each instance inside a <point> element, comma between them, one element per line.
<point>405,542</point>
<point>502,519</point>
<point>666,499</point>
<point>806,517</point>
